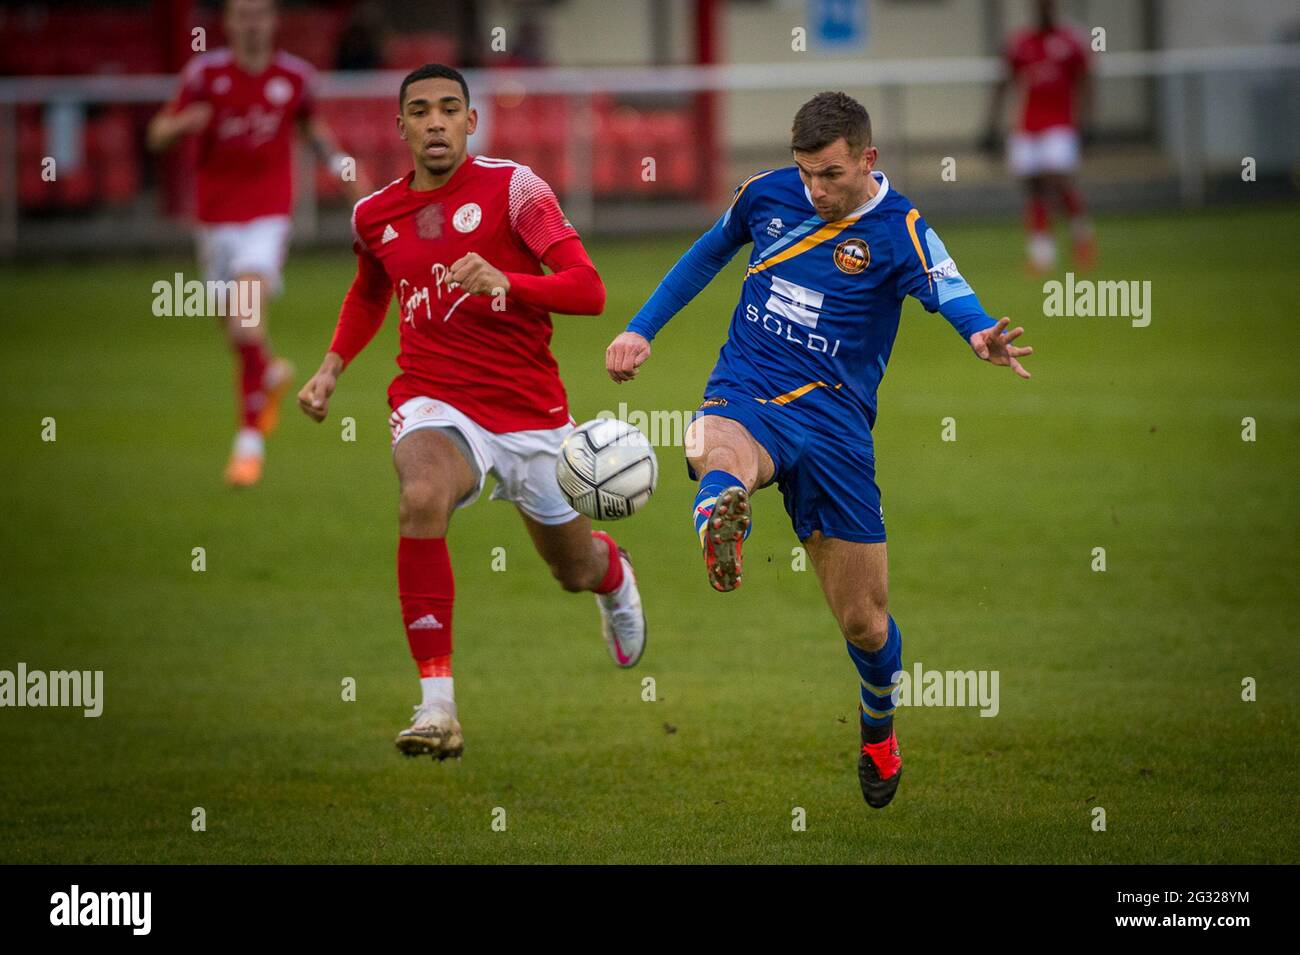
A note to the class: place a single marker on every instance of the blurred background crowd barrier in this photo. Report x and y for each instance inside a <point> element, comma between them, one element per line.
<point>644,114</point>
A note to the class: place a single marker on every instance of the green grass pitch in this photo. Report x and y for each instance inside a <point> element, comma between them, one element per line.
<point>1119,690</point>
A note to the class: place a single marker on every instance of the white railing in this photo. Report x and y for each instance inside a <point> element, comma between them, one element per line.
<point>1183,74</point>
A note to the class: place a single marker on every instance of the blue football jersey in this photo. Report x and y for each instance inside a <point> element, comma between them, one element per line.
<point>820,301</point>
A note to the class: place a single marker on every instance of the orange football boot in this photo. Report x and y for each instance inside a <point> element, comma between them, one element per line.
<point>276,384</point>
<point>244,470</point>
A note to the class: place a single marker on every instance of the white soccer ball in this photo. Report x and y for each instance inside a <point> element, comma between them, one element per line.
<point>606,469</point>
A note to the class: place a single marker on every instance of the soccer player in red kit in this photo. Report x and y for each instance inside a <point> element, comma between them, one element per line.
<point>246,102</point>
<point>1049,64</point>
<point>462,240</point>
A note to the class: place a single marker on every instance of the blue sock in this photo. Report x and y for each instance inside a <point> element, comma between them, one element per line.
<point>711,485</point>
<point>878,671</point>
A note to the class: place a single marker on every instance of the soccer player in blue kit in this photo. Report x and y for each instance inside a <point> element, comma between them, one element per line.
<point>792,399</point>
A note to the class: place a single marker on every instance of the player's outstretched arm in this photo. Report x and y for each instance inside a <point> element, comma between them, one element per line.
<point>169,125</point>
<point>931,277</point>
<point>993,344</point>
<point>363,312</point>
<point>318,135</point>
<point>693,271</point>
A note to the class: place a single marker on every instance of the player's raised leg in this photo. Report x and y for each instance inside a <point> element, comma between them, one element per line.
<point>854,578</point>
<point>434,475</point>
<point>583,559</point>
<point>730,463</point>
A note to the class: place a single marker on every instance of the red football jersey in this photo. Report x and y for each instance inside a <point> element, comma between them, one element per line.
<point>245,156</point>
<point>1047,66</point>
<point>494,365</point>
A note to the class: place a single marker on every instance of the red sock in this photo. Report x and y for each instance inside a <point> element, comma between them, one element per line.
<point>426,588</point>
<point>613,578</point>
<point>253,359</point>
<point>435,666</point>
<point>1072,199</point>
<point>1036,214</point>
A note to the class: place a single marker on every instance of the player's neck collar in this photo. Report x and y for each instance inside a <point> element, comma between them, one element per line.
<point>452,180</point>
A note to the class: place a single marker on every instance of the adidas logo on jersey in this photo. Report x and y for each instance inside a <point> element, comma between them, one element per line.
<point>427,622</point>
<point>389,234</point>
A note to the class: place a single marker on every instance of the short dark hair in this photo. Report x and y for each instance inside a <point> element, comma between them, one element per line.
<point>825,118</point>
<point>431,71</point>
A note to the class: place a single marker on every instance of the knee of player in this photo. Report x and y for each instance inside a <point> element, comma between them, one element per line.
<point>867,630</point>
<point>714,459</point>
<point>424,501</point>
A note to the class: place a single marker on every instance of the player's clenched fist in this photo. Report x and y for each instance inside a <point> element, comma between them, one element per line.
<point>314,399</point>
<point>625,355</point>
<point>473,273</point>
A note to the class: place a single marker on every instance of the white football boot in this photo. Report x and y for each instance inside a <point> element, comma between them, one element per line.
<point>622,620</point>
<point>434,731</point>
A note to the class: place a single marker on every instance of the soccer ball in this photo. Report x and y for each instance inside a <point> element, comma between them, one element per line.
<point>606,469</point>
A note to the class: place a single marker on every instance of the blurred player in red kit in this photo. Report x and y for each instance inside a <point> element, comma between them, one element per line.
<point>246,103</point>
<point>1048,62</point>
<point>462,240</point>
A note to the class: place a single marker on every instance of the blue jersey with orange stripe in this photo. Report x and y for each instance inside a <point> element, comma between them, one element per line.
<point>820,302</point>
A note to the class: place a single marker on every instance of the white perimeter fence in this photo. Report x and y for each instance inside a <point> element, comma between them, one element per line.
<point>1170,122</point>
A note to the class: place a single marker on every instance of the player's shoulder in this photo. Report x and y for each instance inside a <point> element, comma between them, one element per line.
<point>890,202</point>
<point>767,181</point>
<point>524,189</point>
<point>518,178</point>
<point>205,63</point>
<point>1075,35</point>
<point>782,185</point>
<point>376,205</point>
<point>296,66</point>
<point>897,214</point>
<point>1019,40</point>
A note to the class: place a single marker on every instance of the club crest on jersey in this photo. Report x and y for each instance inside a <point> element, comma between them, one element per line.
<point>467,217</point>
<point>774,228</point>
<point>852,256</point>
<point>278,91</point>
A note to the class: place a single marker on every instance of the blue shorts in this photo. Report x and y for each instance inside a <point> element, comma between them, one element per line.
<point>827,477</point>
